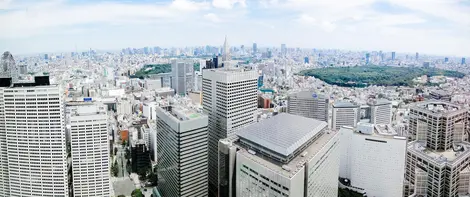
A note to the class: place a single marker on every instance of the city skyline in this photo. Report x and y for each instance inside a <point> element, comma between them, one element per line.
<point>417,26</point>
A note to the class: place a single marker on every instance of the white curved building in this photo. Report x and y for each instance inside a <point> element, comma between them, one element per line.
<point>35,141</point>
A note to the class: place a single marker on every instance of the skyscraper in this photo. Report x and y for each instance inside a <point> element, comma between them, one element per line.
<point>345,114</point>
<point>36,134</point>
<point>417,56</point>
<point>229,97</point>
<point>226,56</point>
<point>373,158</point>
<point>182,152</point>
<point>446,59</point>
<point>308,104</point>
<point>367,58</point>
<point>4,180</point>
<point>89,147</point>
<point>463,61</point>
<point>286,155</point>
<point>182,73</point>
<point>438,159</point>
<point>255,48</point>
<point>393,55</point>
<point>283,49</point>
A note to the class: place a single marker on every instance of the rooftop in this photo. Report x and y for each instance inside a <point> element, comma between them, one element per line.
<point>460,150</point>
<point>439,107</point>
<point>380,102</point>
<point>283,133</point>
<point>182,113</point>
<point>307,95</point>
<point>297,163</point>
<point>344,104</point>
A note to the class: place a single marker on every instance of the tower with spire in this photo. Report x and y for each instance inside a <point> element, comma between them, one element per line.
<point>226,57</point>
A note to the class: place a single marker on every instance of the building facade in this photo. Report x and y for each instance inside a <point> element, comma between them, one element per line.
<point>182,152</point>
<point>182,76</point>
<point>345,114</point>
<point>89,149</point>
<point>373,159</point>
<point>308,104</point>
<point>35,141</point>
<point>229,97</point>
<point>380,111</point>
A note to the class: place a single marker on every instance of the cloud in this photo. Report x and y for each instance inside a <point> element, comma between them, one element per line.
<point>38,17</point>
<point>4,4</point>
<point>212,17</point>
<point>227,4</point>
<point>308,20</point>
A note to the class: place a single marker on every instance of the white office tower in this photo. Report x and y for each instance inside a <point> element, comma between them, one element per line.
<point>438,160</point>
<point>372,160</point>
<point>286,155</point>
<point>308,104</point>
<point>345,114</point>
<point>229,97</point>
<point>182,152</point>
<point>35,139</point>
<point>380,111</point>
<point>182,73</point>
<point>89,147</point>
<point>4,183</point>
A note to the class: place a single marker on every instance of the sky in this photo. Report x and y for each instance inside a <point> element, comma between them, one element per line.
<point>438,27</point>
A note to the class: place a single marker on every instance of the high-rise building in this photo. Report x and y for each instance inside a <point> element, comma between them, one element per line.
<point>373,159</point>
<point>367,58</point>
<point>426,64</point>
<point>255,48</point>
<point>4,180</point>
<point>89,148</point>
<point>182,152</point>
<point>308,104</point>
<point>229,97</point>
<point>286,155</point>
<point>393,55</point>
<point>35,132</point>
<point>380,111</point>
<point>438,159</point>
<point>417,56</point>
<point>463,61</point>
<point>226,56</point>
<point>9,69</point>
<point>283,49</point>
<point>140,155</point>
<point>306,60</point>
<point>446,59</point>
<point>182,76</point>
<point>344,113</point>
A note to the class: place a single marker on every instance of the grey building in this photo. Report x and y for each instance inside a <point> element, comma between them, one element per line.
<point>182,73</point>
<point>308,104</point>
<point>229,97</point>
<point>182,152</point>
<point>345,114</point>
<point>438,160</point>
<point>380,111</point>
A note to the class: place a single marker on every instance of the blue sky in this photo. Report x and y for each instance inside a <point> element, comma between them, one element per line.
<point>440,27</point>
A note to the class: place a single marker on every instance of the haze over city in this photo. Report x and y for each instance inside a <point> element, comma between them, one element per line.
<point>437,27</point>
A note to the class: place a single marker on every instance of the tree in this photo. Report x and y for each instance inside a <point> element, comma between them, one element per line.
<point>127,155</point>
<point>153,178</point>
<point>124,143</point>
<point>142,172</point>
<point>114,168</point>
<point>137,193</point>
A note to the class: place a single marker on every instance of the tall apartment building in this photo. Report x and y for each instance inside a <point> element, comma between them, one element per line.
<point>438,160</point>
<point>380,111</point>
<point>373,159</point>
<point>182,76</point>
<point>4,180</point>
<point>229,97</point>
<point>89,148</point>
<point>308,104</point>
<point>35,140</point>
<point>182,152</point>
<point>345,114</point>
<point>286,155</point>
